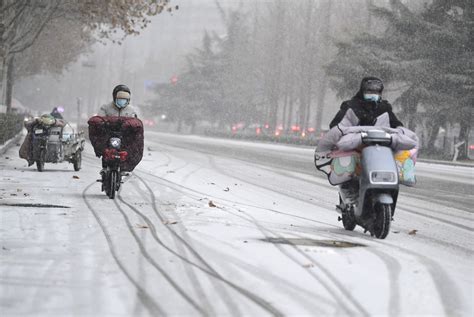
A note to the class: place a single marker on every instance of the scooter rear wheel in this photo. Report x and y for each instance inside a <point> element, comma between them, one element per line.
<point>348,220</point>
<point>77,161</point>
<point>382,220</point>
<point>347,213</point>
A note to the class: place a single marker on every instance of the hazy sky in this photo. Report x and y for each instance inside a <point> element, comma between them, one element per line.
<point>156,54</point>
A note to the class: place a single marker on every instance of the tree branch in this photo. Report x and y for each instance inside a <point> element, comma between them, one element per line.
<point>10,25</point>
<point>38,32</point>
<point>8,6</point>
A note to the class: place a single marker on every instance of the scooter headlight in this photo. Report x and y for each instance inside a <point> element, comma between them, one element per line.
<point>115,143</point>
<point>383,177</point>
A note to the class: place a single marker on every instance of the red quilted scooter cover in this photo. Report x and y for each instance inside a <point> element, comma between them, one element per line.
<point>101,130</point>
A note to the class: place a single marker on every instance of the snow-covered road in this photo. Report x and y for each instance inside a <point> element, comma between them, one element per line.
<point>272,244</point>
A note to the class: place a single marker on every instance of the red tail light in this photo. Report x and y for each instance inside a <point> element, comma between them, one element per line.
<point>123,156</point>
<point>109,154</point>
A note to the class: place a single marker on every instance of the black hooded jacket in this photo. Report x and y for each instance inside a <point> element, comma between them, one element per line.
<point>366,111</point>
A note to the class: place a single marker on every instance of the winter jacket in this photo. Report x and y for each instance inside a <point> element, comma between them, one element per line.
<point>366,112</point>
<point>110,110</point>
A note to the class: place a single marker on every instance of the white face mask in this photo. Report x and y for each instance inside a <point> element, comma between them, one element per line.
<point>372,97</point>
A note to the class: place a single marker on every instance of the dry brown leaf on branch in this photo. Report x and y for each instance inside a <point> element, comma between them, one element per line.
<point>413,232</point>
<point>75,177</point>
<point>211,204</point>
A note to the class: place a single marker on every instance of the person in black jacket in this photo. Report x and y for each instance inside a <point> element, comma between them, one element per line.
<point>367,105</point>
<point>56,113</point>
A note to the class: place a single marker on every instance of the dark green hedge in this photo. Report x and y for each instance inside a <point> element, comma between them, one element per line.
<point>10,125</point>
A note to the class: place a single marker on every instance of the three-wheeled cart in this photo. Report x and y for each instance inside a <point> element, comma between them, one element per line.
<point>56,144</point>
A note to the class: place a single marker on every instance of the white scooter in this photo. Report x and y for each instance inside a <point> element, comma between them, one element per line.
<point>369,200</point>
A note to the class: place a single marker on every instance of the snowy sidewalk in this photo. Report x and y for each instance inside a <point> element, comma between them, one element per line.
<point>12,142</point>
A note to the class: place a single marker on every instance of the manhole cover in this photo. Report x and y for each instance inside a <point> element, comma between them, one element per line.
<point>314,242</point>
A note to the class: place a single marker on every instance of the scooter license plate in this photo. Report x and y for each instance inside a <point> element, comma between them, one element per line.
<point>38,131</point>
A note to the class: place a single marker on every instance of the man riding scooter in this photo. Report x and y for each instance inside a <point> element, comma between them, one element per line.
<point>358,155</point>
<point>117,136</point>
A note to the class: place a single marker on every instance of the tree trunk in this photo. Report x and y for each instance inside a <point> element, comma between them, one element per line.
<point>3,80</point>
<point>9,84</point>
<point>412,114</point>
<point>465,129</point>
<point>368,4</point>
<point>302,107</point>
<point>285,106</point>
<point>308,104</point>
<point>274,109</point>
<point>326,31</point>
<point>433,134</point>
<point>434,131</point>
<point>320,103</point>
<point>290,111</point>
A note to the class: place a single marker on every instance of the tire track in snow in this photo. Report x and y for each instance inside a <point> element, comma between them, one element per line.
<point>199,196</point>
<point>451,212</point>
<point>150,304</point>
<point>265,305</point>
<point>393,268</point>
<point>275,189</point>
<point>444,221</point>
<point>154,264</point>
<point>210,155</point>
<point>233,307</point>
<point>445,287</point>
<point>258,273</point>
<point>337,284</point>
<point>440,202</point>
<point>181,252</point>
<point>312,302</point>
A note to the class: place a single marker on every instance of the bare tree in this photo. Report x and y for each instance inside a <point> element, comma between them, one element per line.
<point>23,21</point>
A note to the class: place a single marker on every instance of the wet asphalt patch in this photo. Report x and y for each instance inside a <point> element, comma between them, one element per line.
<point>313,242</point>
<point>33,205</point>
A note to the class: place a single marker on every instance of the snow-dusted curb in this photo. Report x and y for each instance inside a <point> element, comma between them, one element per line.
<point>7,145</point>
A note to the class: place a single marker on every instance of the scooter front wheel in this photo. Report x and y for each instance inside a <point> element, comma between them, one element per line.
<point>112,184</point>
<point>382,220</point>
<point>348,220</point>
<point>40,165</point>
<point>40,162</point>
<point>77,162</point>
